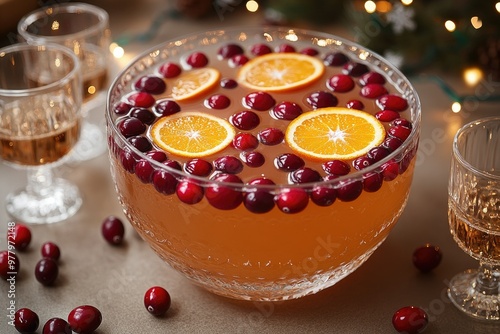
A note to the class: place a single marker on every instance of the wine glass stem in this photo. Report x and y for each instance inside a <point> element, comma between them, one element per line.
<point>40,181</point>
<point>488,279</point>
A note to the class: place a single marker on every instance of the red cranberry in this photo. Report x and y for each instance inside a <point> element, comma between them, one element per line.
<point>253,159</point>
<point>143,114</point>
<point>228,83</point>
<point>309,51</point>
<point>122,108</point>
<point>238,60</point>
<point>229,50</point>
<point>349,190</point>
<point>372,181</point>
<point>50,250</point>
<point>285,48</point>
<point>390,170</point>
<point>261,181</point>
<point>372,78</point>
<point>245,120</point>
<point>26,321</point>
<point>259,201</point>
<point>386,115</point>
<point>292,200</point>
<point>46,271</point>
<point>56,326</point>
<point>128,160</point>
<point>9,264</point>
<point>157,301</point>
<point>228,164</point>
<point>288,162</point>
<point>218,101</point>
<point>372,91</point>
<point>131,126</point>
<point>144,171</point>
<point>427,257</point>
<point>335,59</point>
<point>260,49</point>
<point>198,167</point>
<point>402,122</point>
<point>355,104</point>
<point>392,143</point>
<point>21,236</point>
<point>164,182</point>
<point>197,59</point>
<point>378,153</point>
<point>271,136</point>
<point>141,143</point>
<point>245,141</point>
<point>393,102</point>
<point>322,99</point>
<point>341,83</point>
<point>399,131</point>
<point>323,196</point>
<point>286,110</point>
<point>260,101</point>
<point>141,99</point>
<point>410,320</point>
<point>150,84</point>
<point>113,230</point>
<point>304,175</point>
<point>361,162</point>
<point>173,164</point>
<point>159,156</point>
<point>336,167</point>
<point>84,319</point>
<point>166,107</point>
<point>189,192</point>
<point>224,197</point>
<point>170,70</point>
<point>355,69</point>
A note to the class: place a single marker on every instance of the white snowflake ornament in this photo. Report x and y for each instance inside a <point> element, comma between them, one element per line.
<point>401,18</point>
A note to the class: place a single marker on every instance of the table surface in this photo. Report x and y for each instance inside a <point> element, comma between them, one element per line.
<point>115,278</point>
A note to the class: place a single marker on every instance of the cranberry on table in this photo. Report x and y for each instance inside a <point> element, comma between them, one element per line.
<point>113,230</point>
<point>84,319</point>
<point>26,321</point>
<point>21,236</point>
<point>56,326</point>
<point>9,264</point>
<point>46,271</point>
<point>410,320</point>
<point>51,250</point>
<point>427,257</point>
<point>157,301</point>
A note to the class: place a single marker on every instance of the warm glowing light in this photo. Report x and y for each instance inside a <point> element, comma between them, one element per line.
<point>91,90</point>
<point>472,76</point>
<point>450,25</point>
<point>55,26</point>
<point>384,6</point>
<point>116,50</point>
<point>406,2</point>
<point>456,107</point>
<point>252,6</point>
<point>497,6</point>
<point>476,22</point>
<point>370,6</point>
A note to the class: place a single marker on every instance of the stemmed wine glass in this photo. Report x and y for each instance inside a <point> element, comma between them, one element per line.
<point>40,114</point>
<point>474,216</point>
<point>84,29</point>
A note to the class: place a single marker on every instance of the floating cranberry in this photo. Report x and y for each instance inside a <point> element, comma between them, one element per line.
<point>392,143</point>
<point>170,70</point>
<point>9,264</point>
<point>410,320</point>
<point>144,171</point>
<point>140,142</point>
<point>46,271</point>
<point>258,201</point>
<point>349,190</point>
<point>427,257</point>
<point>260,49</point>
<point>198,167</point>
<point>336,167</point>
<point>288,162</point>
<point>386,115</point>
<point>238,60</point>
<point>245,120</point>
<point>173,164</point>
<point>372,91</point>
<point>164,182</point>
<point>21,237</point>
<point>122,108</point>
<point>189,192</point>
<point>113,230</point>
<point>228,83</point>
<point>84,319</point>
<point>50,250</point>
<point>26,321</point>
<point>372,181</point>
<point>271,136</point>
<point>322,99</point>
<point>159,156</point>
<point>229,50</point>
<point>361,162</point>
<point>355,69</point>
<point>218,101</point>
<point>355,104</point>
<point>245,141</point>
<point>228,164</point>
<point>402,122</point>
<point>157,301</point>
<point>150,84</point>
<point>304,175</point>
<point>393,102</point>
<point>285,48</point>
<point>143,114</point>
<point>399,131</point>
<point>166,107</point>
<point>390,170</point>
<point>197,59</point>
<point>323,196</point>
<point>128,160</point>
<point>292,200</point>
<point>261,181</point>
<point>286,110</point>
<point>372,78</point>
<point>260,101</point>
<point>378,153</point>
<point>335,59</point>
<point>253,159</point>
<point>141,99</point>
<point>56,326</point>
<point>309,51</point>
<point>131,126</point>
<point>340,83</point>
<point>224,197</point>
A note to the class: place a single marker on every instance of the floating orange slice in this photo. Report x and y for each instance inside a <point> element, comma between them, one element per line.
<point>192,134</point>
<point>280,71</point>
<point>192,83</point>
<point>334,133</point>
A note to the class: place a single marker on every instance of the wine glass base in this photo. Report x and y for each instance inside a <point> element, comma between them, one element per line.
<point>463,294</point>
<point>62,201</point>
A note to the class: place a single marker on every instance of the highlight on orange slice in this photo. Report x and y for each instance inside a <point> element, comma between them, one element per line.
<point>192,134</point>
<point>334,133</point>
<point>280,71</point>
<point>192,83</point>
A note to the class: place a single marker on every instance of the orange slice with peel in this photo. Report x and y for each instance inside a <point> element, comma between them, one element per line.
<point>334,133</point>
<point>192,134</point>
<point>284,71</point>
<point>192,83</point>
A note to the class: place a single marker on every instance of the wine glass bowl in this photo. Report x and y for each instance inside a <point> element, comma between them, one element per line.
<point>238,239</point>
<point>474,211</point>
